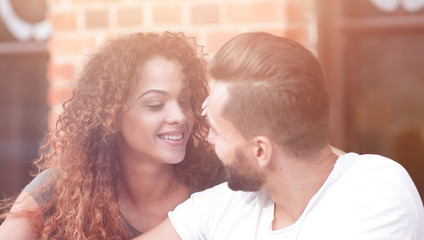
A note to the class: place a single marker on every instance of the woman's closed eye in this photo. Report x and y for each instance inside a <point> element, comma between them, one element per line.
<point>155,106</point>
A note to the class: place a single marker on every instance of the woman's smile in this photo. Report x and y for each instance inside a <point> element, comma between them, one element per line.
<point>173,138</point>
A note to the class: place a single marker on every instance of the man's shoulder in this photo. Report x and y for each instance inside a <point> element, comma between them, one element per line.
<point>223,189</point>
<point>370,164</point>
<point>222,193</point>
<point>372,190</point>
<point>375,175</point>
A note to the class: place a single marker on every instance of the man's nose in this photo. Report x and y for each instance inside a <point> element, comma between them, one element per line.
<point>211,137</point>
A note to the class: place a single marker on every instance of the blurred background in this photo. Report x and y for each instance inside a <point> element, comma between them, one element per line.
<point>372,52</point>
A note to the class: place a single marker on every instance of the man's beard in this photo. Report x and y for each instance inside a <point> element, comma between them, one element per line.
<point>243,176</point>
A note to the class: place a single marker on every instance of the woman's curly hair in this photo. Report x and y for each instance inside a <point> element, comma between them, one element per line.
<point>83,149</point>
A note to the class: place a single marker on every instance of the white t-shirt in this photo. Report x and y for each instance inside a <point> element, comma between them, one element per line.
<point>365,197</point>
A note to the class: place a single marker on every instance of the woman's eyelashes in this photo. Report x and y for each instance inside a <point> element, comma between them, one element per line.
<point>155,105</point>
<point>185,104</point>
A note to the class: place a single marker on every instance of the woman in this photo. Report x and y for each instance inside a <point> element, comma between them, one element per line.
<point>128,148</point>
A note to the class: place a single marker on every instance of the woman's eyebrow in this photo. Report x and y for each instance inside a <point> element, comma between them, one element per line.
<point>151,91</point>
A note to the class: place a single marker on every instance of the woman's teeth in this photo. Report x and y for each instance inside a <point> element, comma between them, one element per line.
<point>171,137</point>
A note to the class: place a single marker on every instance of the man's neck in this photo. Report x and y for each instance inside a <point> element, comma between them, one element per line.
<point>293,183</point>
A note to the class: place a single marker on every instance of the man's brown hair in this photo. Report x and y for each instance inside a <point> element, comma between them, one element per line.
<point>276,88</point>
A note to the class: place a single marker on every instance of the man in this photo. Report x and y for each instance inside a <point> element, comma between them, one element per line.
<point>268,112</point>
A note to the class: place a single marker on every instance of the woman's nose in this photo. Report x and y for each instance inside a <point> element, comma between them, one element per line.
<point>177,114</point>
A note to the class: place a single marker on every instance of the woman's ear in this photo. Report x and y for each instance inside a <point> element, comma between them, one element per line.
<point>262,150</point>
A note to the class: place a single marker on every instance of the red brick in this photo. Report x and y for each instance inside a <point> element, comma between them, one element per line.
<point>97,19</point>
<point>57,95</point>
<point>110,36</point>
<point>253,12</point>
<point>205,14</point>
<point>130,17</point>
<point>297,11</point>
<point>65,71</point>
<point>215,40</point>
<point>64,21</point>
<point>93,1</point>
<point>167,14</point>
<point>299,34</point>
<point>71,45</point>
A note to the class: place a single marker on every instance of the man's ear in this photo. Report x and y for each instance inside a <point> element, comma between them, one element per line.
<point>262,150</point>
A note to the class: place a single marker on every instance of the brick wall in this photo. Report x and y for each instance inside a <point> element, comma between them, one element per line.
<point>80,25</point>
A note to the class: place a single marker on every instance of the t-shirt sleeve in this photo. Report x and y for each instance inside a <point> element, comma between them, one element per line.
<point>192,218</point>
<point>41,187</point>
